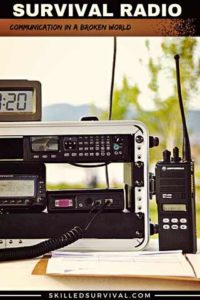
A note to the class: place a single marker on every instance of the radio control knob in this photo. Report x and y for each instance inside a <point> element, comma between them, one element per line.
<point>116,146</point>
<point>166,156</point>
<point>153,141</point>
<point>176,157</point>
<point>139,139</point>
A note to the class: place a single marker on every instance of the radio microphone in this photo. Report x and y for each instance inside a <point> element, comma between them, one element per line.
<point>175,192</point>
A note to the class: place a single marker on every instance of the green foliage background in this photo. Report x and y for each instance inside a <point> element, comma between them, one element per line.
<point>164,121</point>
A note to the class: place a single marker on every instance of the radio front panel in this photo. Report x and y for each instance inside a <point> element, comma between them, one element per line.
<point>72,142</point>
<point>81,148</point>
<point>22,187</point>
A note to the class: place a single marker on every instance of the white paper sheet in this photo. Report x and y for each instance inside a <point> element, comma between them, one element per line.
<point>120,264</point>
<point>195,261</point>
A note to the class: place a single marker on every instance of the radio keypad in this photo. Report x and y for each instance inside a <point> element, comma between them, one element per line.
<point>15,202</point>
<point>93,146</point>
<point>41,192</point>
<point>70,143</point>
<point>174,224</point>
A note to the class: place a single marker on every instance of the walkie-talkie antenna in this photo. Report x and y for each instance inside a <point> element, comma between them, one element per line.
<point>186,141</point>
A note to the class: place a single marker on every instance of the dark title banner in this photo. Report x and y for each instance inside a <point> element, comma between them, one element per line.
<point>74,9</point>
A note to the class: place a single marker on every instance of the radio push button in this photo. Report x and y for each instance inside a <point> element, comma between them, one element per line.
<point>116,147</point>
<point>183,220</point>
<point>70,143</point>
<point>183,227</point>
<point>5,202</point>
<point>174,220</point>
<point>19,202</point>
<point>166,227</point>
<point>165,220</point>
<point>174,227</point>
<point>40,199</point>
<point>27,202</point>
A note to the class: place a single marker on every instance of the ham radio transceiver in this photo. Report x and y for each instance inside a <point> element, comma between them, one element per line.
<point>126,216</point>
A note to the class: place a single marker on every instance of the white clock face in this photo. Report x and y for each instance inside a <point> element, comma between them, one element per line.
<point>12,101</point>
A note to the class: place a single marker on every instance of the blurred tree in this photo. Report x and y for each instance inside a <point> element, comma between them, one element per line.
<point>165,120</point>
<point>125,101</point>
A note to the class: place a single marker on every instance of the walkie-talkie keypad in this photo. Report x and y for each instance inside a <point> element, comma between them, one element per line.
<point>174,223</point>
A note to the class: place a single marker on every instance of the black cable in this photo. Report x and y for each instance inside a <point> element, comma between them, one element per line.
<point>89,166</point>
<point>52,244</point>
<point>107,177</point>
<point>112,78</point>
<point>111,97</point>
<point>94,217</point>
<point>139,243</point>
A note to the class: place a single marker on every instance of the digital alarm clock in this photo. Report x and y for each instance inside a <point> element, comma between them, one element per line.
<point>20,100</point>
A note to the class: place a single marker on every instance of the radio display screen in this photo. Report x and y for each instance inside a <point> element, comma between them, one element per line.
<point>174,207</point>
<point>17,188</point>
<point>44,143</point>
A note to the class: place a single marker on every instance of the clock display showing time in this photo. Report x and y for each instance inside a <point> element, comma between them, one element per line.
<point>20,100</point>
<point>16,101</point>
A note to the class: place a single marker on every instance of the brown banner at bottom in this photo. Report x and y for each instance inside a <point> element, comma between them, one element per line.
<point>97,27</point>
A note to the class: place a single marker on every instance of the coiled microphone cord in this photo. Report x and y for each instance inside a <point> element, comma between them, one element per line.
<point>52,244</point>
<point>42,248</point>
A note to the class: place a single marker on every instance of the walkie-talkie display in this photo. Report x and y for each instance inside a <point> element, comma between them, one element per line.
<point>175,193</point>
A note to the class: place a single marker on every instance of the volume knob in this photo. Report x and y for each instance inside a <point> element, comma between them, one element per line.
<point>166,156</point>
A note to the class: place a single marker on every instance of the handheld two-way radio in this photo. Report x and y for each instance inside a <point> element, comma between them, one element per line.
<point>175,192</point>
